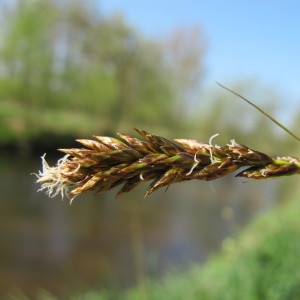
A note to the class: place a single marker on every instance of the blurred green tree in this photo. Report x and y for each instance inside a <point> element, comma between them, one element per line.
<point>68,69</point>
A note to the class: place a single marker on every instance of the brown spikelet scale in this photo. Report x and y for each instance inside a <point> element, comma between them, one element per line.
<point>106,162</point>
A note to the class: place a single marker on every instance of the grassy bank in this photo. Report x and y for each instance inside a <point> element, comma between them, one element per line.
<point>261,263</point>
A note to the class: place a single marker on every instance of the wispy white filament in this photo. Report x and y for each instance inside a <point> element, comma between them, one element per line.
<point>212,158</point>
<point>52,178</point>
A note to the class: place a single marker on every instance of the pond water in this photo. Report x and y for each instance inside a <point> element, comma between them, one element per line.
<point>103,242</point>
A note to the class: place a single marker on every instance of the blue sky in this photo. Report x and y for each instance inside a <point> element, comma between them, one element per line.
<point>245,39</point>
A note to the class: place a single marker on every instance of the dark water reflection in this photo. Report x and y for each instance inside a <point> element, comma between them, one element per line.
<point>113,243</point>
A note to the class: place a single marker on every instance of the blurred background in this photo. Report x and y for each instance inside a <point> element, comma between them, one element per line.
<point>71,69</point>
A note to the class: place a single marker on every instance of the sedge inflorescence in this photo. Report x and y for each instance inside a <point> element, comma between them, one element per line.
<point>106,162</point>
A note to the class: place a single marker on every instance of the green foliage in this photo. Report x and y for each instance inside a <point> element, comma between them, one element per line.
<point>63,64</point>
<point>262,263</point>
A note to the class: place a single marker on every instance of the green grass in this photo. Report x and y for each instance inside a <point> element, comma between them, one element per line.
<point>261,263</point>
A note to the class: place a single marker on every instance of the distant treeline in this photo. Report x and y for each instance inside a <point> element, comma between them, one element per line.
<point>68,71</point>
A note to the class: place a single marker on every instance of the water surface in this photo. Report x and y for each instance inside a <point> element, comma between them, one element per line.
<point>100,241</point>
